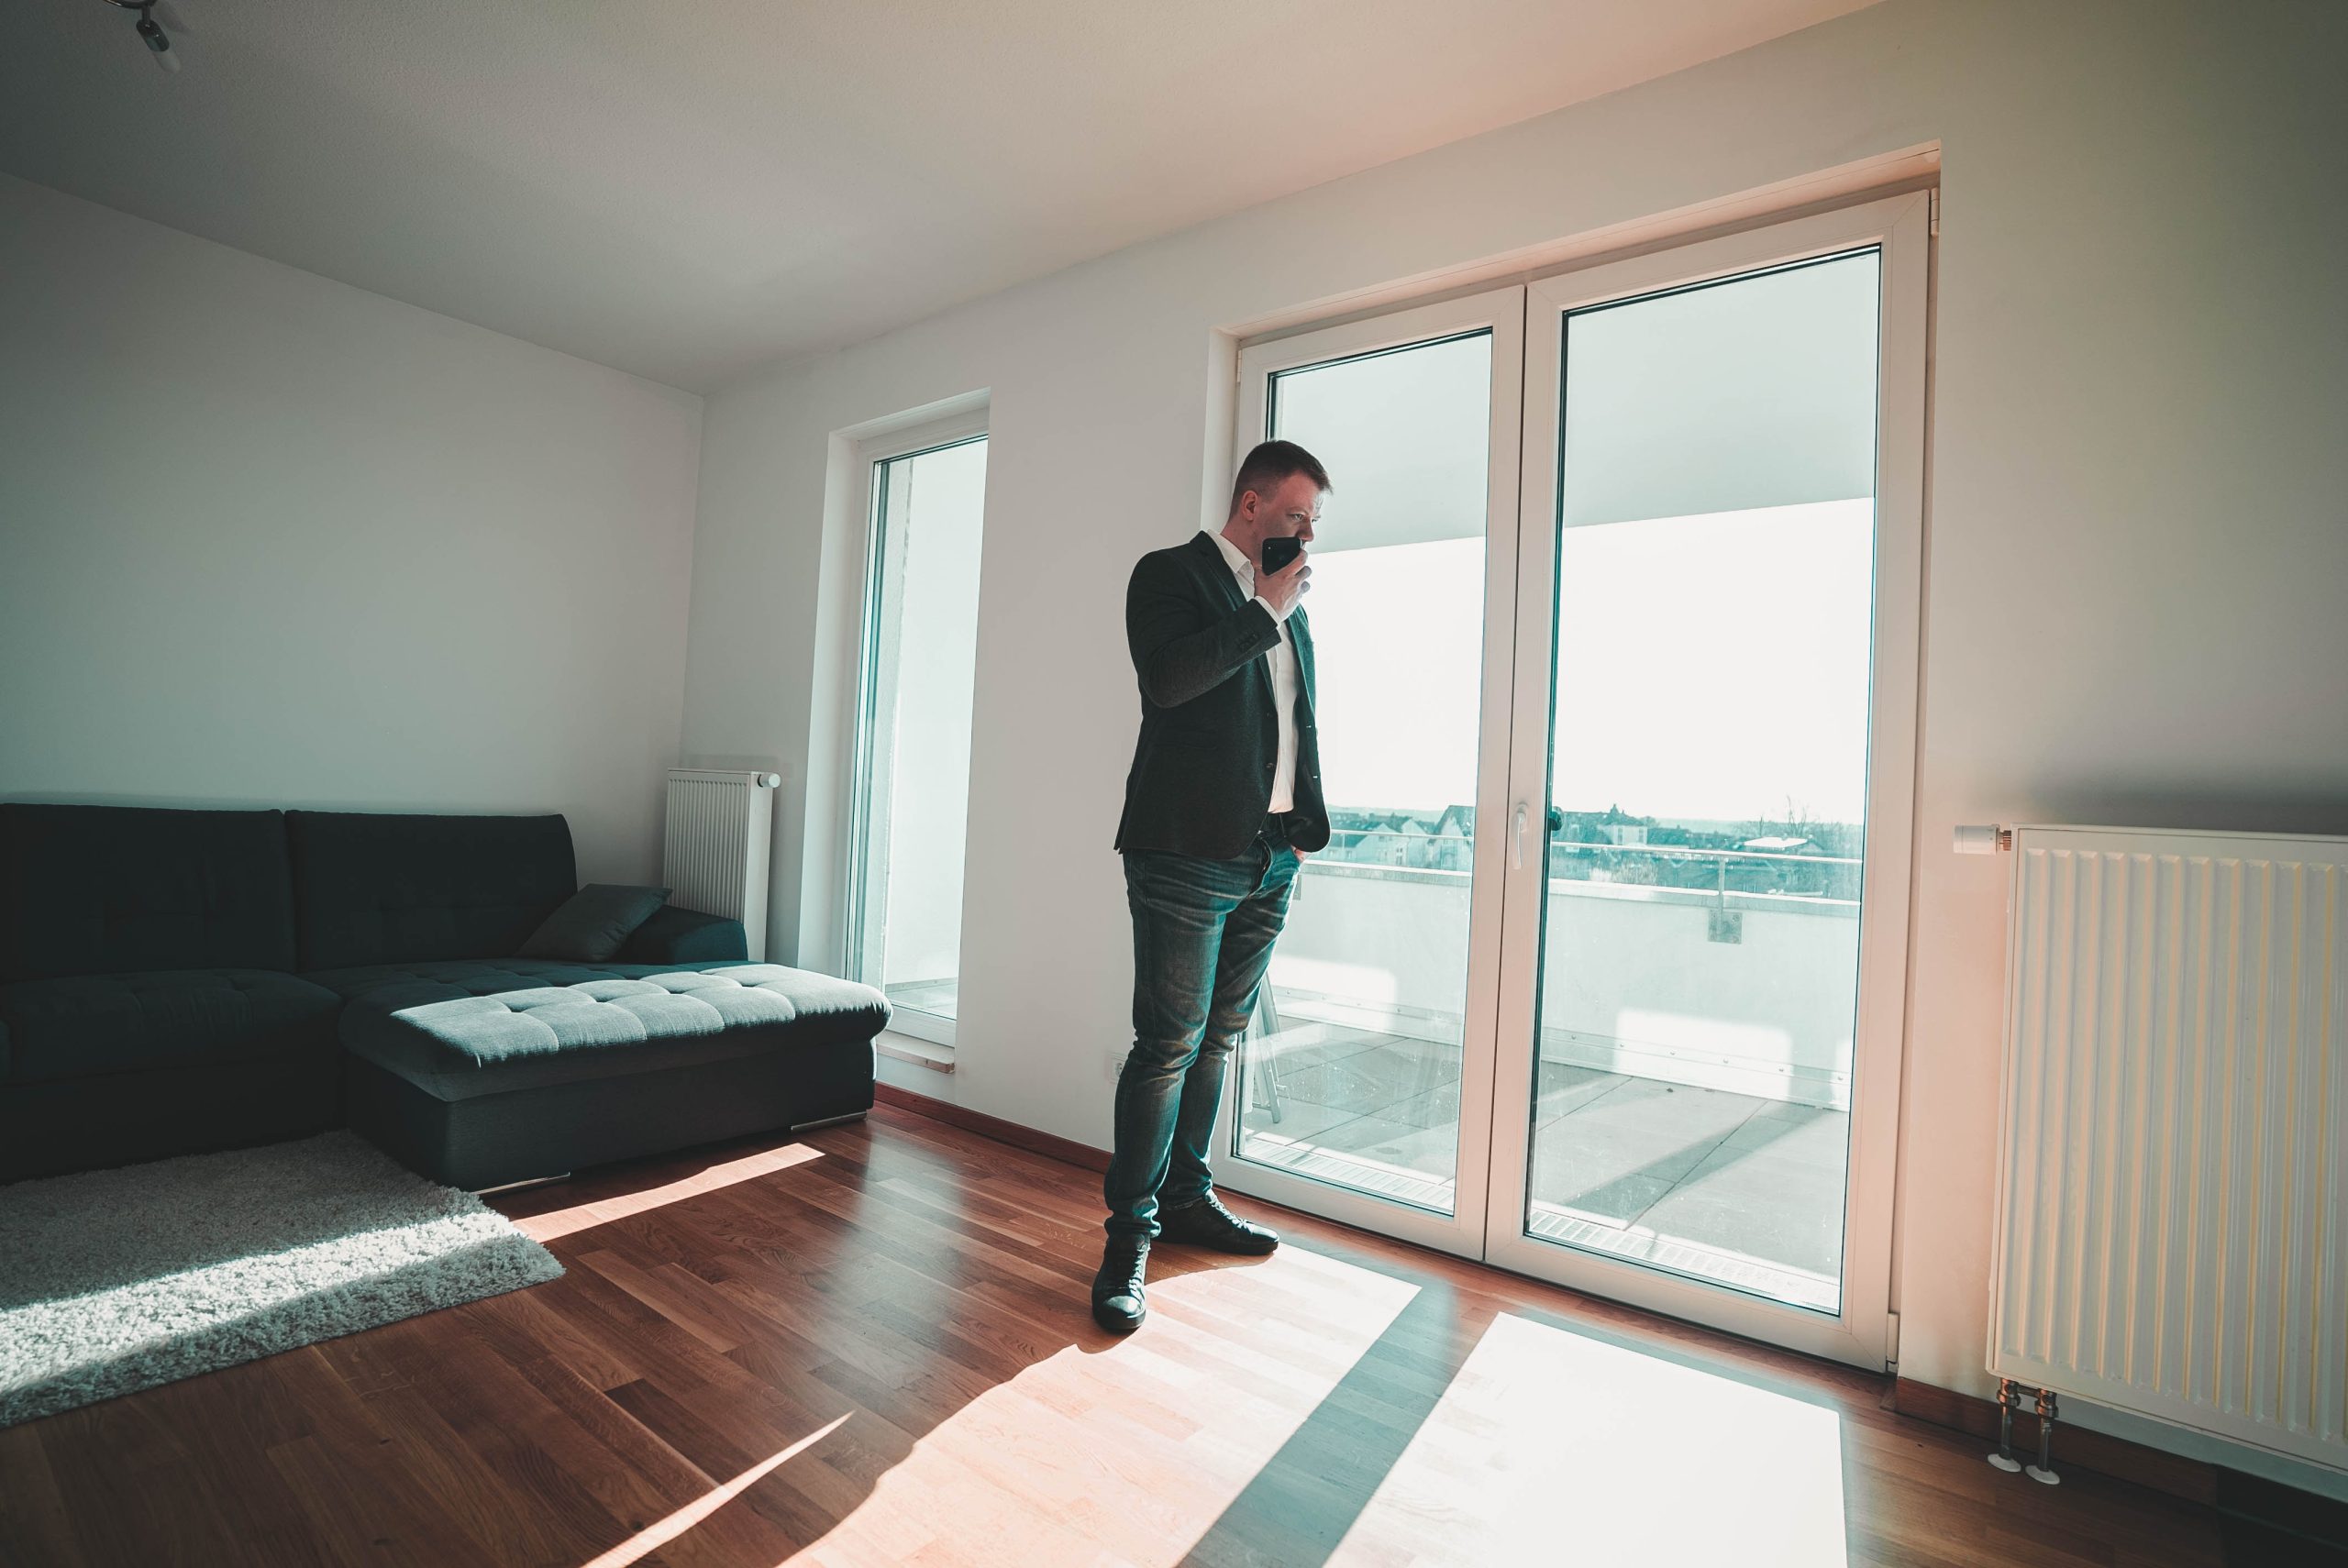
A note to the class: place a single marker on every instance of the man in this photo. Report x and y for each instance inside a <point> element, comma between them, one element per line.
<point>1224,794</point>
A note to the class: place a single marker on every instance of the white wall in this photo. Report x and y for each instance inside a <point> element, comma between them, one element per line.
<point>266,539</point>
<point>2134,605</point>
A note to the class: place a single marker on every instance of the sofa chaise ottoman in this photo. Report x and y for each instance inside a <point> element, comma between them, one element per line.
<point>478,1074</point>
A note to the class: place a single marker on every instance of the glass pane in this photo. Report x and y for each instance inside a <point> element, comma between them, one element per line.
<point>920,661</point>
<point>1708,780</point>
<point>1352,1073</point>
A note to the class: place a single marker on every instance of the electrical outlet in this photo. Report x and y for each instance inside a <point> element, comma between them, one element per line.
<point>1113,1064</point>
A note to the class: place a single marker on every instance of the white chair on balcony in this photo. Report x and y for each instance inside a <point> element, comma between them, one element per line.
<point>1263,1026</point>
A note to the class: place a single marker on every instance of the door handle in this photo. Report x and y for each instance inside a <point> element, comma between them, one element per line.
<point>1516,839</point>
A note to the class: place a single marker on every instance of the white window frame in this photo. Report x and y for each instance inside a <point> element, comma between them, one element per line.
<point>1500,312</point>
<point>869,456</point>
<point>1514,761</point>
<point>1858,1333</point>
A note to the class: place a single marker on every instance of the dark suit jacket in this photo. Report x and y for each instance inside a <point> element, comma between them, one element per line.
<point>1202,779</point>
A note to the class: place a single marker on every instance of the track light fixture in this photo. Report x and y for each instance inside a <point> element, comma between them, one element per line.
<point>151,32</point>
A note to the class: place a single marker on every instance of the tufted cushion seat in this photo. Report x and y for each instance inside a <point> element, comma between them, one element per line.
<point>478,1071</point>
<point>81,1026</point>
<point>460,1028</point>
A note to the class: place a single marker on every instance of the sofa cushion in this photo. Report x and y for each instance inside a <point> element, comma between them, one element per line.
<point>81,1026</point>
<point>372,888</point>
<point>593,923</point>
<point>459,1030</point>
<point>91,890</point>
<point>685,939</point>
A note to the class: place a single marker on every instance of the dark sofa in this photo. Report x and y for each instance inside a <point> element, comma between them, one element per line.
<point>175,981</point>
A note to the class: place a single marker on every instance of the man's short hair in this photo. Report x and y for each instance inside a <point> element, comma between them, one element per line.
<point>1271,462</point>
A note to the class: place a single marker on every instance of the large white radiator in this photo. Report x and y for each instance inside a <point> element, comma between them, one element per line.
<point>720,837</point>
<point>2172,1230</point>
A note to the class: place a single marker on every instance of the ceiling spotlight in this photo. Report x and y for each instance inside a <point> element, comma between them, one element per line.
<point>151,32</point>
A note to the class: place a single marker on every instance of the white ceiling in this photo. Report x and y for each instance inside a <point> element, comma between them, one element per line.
<point>683,188</point>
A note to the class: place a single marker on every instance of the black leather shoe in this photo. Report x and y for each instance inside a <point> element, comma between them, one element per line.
<point>1207,1223</point>
<point>1117,1302</point>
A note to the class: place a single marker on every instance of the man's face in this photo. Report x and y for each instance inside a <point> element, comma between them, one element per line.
<point>1290,511</point>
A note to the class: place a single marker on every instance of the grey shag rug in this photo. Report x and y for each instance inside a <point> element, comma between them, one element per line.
<point>114,1281</point>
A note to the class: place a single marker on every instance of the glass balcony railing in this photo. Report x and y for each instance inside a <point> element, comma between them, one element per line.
<point>1696,1020</point>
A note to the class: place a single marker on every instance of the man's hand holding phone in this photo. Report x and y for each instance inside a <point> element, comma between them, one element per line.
<point>1283,577</point>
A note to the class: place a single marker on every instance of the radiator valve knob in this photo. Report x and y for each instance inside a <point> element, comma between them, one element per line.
<point>1982,838</point>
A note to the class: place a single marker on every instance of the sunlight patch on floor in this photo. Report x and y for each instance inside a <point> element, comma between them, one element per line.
<point>553,1223</point>
<point>653,1537</point>
<point>1107,1451</point>
<point>1551,1446</point>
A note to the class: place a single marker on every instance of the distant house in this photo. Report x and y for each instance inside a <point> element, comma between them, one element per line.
<point>1780,846</point>
<point>1429,841</point>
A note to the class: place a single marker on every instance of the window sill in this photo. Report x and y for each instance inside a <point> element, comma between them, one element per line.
<point>923,1053</point>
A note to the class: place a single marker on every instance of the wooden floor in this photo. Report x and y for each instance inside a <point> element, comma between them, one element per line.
<point>870,1346</point>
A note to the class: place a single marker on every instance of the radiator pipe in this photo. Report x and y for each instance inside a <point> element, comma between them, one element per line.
<point>2044,1471</point>
<point>2008,1397</point>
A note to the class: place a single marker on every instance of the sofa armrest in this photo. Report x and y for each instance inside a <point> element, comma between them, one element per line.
<point>685,936</point>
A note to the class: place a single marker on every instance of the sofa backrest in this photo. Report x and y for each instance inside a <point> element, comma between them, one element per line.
<point>100,890</point>
<point>372,888</point>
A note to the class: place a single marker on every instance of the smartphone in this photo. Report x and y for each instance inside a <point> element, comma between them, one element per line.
<point>1278,552</point>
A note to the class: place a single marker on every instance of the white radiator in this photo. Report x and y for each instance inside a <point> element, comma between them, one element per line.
<point>2172,1234</point>
<point>720,835</point>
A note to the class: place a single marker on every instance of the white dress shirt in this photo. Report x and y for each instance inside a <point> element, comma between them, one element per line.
<point>1284,676</point>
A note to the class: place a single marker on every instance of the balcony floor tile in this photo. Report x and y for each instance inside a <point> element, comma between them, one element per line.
<point>1640,1128</point>
<point>1815,1136</point>
<point>1372,1080</point>
<point>1563,1088</point>
<point>1431,1150</point>
<point>1438,1107</point>
<point>1735,1175</point>
<point>1298,1120</point>
<point>1781,1211</point>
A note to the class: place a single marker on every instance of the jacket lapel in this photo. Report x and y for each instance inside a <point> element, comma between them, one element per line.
<point>1224,587</point>
<point>1300,632</point>
<point>1207,557</point>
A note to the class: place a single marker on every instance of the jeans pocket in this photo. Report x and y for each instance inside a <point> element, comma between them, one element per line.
<point>1186,884</point>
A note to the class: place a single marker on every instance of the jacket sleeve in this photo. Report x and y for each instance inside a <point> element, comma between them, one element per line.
<point>1180,652</point>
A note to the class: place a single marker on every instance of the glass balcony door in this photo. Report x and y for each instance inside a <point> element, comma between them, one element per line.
<point>1704,980</point>
<point>1364,1089</point>
<point>1601,977</point>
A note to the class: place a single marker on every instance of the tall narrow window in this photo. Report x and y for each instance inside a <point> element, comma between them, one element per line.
<point>914,735</point>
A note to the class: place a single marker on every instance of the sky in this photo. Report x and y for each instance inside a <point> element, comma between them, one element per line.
<point>1709,667</point>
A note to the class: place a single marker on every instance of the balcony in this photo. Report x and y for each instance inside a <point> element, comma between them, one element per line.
<point>1691,1109</point>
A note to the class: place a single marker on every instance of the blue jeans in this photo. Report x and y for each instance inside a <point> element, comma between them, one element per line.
<point>1203,938</point>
